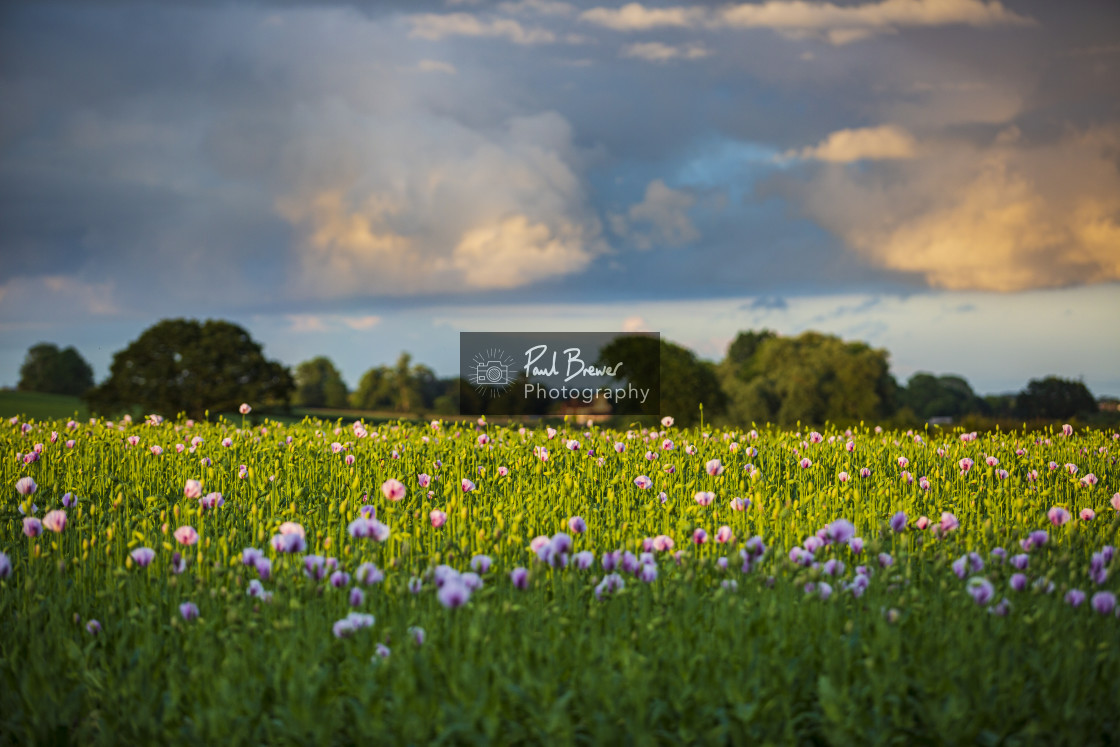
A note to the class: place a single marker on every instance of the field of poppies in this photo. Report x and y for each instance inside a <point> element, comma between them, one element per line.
<point>464,582</point>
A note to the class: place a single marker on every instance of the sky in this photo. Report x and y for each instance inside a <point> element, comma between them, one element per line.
<point>939,178</point>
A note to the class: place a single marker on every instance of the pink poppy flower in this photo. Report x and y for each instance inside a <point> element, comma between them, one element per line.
<point>843,477</point>
<point>739,504</point>
<point>291,527</point>
<point>212,500</point>
<point>1103,602</point>
<point>438,518</point>
<point>714,467</point>
<point>705,498</point>
<point>189,610</point>
<point>55,520</point>
<point>186,535</point>
<point>142,556</point>
<point>806,463</point>
<point>922,522</point>
<point>192,489</point>
<point>393,489</point>
<point>980,589</point>
<point>723,534</point>
<point>467,485</point>
<point>1057,515</point>
<point>32,527</point>
<point>453,594</point>
<point>577,525</point>
<point>244,409</point>
<point>1088,514</point>
<point>26,486</point>
<point>643,482</point>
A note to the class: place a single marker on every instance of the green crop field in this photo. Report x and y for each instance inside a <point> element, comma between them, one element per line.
<point>247,582</point>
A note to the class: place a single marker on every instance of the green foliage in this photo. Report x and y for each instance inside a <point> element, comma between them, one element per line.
<point>181,365</point>
<point>1054,397</point>
<point>681,660</point>
<point>687,383</point>
<point>812,378</point>
<point>947,396</point>
<point>319,384</point>
<point>49,370</point>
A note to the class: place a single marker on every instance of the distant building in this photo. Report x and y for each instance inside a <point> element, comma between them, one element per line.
<point>1109,404</point>
<point>941,420</point>
<point>597,410</point>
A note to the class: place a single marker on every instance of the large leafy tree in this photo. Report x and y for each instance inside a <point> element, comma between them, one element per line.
<point>680,381</point>
<point>812,378</point>
<point>1055,398</point>
<point>48,369</point>
<point>183,365</point>
<point>929,396</point>
<point>319,384</point>
<point>402,387</point>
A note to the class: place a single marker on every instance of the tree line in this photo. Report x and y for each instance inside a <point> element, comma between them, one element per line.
<point>181,365</point>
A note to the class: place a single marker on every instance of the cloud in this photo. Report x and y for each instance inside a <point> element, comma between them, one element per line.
<point>637,17</point>
<point>57,298</point>
<point>866,143</point>
<point>319,323</point>
<point>766,303</point>
<point>361,323</point>
<point>514,251</point>
<point>799,19</point>
<point>436,66</point>
<point>437,26</point>
<point>659,52</point>
<point>661,218</point>
<point>635,324</point>
<point>443,208</point>
<point>1008,216</point>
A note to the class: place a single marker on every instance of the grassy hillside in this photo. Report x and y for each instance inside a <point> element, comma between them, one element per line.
<point>40,406</point>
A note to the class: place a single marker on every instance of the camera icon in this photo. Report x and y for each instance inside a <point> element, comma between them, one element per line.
<point>492,373</point>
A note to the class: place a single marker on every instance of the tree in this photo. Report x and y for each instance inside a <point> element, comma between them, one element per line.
<point>1054,398</point>
<point>319,384</point>
<point>402,387</point>
<point>182,365</point>
<point>931,396</point>
<point>812,378</point>
<point>53,371</point>
<point>680,382</point>
<point>374,391</point>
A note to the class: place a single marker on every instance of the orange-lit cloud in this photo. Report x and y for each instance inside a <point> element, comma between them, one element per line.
<point>1009,216</point>
<point>444,210</point>
<point>838,24</point>
<point>659,52</point>
<point>867,143</point>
